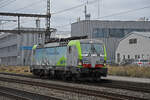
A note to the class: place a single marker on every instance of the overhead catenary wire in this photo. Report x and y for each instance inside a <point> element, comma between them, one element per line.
<point>3,2</point>
<point>65,10</point>
<point>30,5</point>
<point>7,3</point>
<point>91,2</point>
<point>68,9</point>
<point>62,25</point>
<point>124,12</point>
<point>27,6</point>
<point>114,14</point>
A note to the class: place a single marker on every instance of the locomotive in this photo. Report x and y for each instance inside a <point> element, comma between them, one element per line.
<point>76,59</point>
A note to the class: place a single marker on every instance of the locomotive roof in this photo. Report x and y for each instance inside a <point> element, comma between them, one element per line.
<point>56,44</point>
<point>66,43</point>
<point>53,40</point>
<point>91,41</point>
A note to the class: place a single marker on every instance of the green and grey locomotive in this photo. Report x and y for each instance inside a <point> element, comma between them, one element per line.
<point>76,59</point>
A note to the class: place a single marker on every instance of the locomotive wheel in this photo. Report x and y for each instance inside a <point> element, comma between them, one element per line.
<point>75,78</point>
<point>50,76</point>
<point>96,79</point>
<point>64,77</point>
<point>41,73</point>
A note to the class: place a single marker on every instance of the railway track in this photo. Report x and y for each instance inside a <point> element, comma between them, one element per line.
<point>138,87</point>
<point>15,94</point>
<point>20,75</point>
<point>126,86</point>
<point>83,91</point>
<point>12,96</point>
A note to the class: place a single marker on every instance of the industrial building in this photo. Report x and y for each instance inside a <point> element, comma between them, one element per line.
<point>109,31</point>
<point>15,49</point>
<point>134,46</point>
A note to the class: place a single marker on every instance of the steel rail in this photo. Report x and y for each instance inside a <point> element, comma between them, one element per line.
<point>126,87</point>
<point>23,95</point>
<point>133,86</point>
<point>138,87</point>
<point>83,91</point>
<point>12,96</point>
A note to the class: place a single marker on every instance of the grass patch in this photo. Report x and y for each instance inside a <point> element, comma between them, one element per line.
<point>131,71</point>
<point>15,69</point>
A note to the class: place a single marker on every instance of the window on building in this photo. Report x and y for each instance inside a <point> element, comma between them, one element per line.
<point>9,49</point>
<point>142,55</point>
<point>128,56</point>
<point>40,36</point>
<point>118,57</point>
<point>133,41</point>
<point>116,33</point>
<point>13,48</point>
<point>136,56</point>
<point>100,33</point>
<point>148,57</point>
<point>124,57</point>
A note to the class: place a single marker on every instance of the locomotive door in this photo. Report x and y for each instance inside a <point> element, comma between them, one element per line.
<point>72,56</point>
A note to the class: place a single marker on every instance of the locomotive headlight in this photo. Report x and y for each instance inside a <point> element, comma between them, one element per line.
<point>104,63</point>
<point>80,62</point>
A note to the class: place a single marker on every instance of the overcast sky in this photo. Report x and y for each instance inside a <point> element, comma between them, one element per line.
<point>62,21</point>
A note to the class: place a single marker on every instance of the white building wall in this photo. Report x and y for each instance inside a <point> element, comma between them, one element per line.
<point>142,48</point>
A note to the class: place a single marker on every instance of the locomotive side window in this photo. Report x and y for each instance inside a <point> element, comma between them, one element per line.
<point>70,49</point>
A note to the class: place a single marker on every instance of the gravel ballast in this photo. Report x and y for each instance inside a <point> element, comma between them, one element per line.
<point>67,95</point>
<point>129,79</point>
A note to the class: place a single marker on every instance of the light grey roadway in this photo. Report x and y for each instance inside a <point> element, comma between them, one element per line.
<point>130,79</point>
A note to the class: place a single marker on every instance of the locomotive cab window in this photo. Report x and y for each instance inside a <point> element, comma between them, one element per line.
<point>92,48</point>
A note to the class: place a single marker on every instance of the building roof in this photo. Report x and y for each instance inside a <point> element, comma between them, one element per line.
<point>52,40</point>
<point>116,24</point>
<point>91,40</point>
<point>61,34</point>
<point>2,35</point>
<point>145,34</point>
